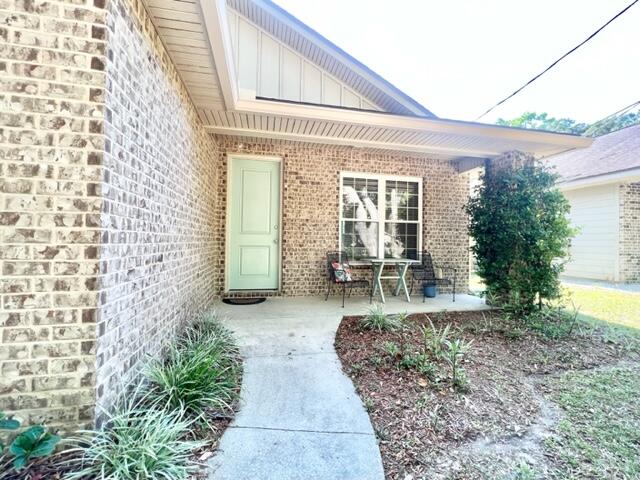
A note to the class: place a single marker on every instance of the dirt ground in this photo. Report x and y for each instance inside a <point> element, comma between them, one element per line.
<point>502,426</point>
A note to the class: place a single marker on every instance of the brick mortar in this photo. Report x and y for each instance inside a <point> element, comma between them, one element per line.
<point>311,179</point>
<point>159,193</point>
<point>51,113</point>
<point>629,239</point>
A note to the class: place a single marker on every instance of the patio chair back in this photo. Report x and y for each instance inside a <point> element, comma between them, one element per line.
<point>426,264</point>
<point>332,257</point>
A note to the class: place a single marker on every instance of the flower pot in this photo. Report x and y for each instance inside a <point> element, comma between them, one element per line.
<point>430,290</point>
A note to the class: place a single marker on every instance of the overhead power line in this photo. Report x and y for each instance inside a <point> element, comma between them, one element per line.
<point>559,59</point>
<point>622,110</point>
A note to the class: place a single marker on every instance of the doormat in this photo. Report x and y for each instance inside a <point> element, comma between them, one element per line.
<point>243,301</point>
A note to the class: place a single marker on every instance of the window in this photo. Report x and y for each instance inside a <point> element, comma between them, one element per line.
<point>380,216</point>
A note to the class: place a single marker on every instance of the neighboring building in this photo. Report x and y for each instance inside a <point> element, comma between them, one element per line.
<point>602,183</point>
<point>158,154</point>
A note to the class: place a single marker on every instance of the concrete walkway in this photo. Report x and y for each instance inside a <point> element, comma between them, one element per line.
<point>300,417</point>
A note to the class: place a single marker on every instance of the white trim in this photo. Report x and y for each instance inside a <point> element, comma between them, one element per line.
<point>387,120</point>
<point>625,176</point>
<point>382,211</point>
<point>227,233</point>
<point>445,151</point>
<point>214,15</point>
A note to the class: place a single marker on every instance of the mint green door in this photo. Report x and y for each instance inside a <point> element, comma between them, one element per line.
<point>254,217</point>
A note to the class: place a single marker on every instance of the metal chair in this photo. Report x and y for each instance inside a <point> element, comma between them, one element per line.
<point>425,272</point>
<point>341,258</point>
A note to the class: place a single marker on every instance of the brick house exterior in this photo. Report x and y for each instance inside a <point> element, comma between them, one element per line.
<point>113,203</point>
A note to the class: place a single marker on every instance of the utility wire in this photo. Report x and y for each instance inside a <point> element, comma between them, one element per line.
<point>608,117</point>
<point>628,107</point>
<point>559,59</point>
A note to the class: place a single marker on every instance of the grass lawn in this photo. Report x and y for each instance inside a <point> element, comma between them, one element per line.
<point>535,407</point>
<point>622,308</point>
<point>599,434</point>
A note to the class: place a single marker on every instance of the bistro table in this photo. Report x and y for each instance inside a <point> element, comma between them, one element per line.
<point>401,264</point>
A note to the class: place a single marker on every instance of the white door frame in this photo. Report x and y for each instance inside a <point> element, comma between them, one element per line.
<point>227,232</point>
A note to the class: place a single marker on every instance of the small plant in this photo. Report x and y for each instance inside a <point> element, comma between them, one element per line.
<point>369,404</point>
<point>200,372</point>
<point>454,355</point>
<point>434,339</point>
<point>35,442</point>
<point>8,423</point>
<point>357,368</point>
<point>379,321</point>
<point>376,360</point>
<point>137,442</point>
<point>391,348</point>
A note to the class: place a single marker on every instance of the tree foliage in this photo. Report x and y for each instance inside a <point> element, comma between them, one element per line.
<point>518,220</point>
<point>542,121</point>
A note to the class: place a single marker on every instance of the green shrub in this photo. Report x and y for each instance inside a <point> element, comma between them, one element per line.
<point>200,372</point>
<point>518,220</point>
<point>35,442</point>
<point>137,442</point>
<point>377,320</point>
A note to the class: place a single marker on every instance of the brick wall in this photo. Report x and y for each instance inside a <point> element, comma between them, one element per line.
<point>51,111</point>
<point>311,206</point>
<point>107,183</point>
<point>630,232</point>
<point>159,202</point>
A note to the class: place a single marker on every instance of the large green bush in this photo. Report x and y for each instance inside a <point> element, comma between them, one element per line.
<point>518,220</point>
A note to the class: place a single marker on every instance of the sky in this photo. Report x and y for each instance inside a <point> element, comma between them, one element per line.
<point>460,57</point>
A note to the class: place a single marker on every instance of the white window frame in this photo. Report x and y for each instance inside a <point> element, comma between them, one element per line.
<point>382,212</point>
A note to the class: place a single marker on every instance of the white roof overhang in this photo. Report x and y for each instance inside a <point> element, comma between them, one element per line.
<point>240,113</point>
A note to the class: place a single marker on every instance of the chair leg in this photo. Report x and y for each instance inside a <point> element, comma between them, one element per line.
<point>454,289</point>
<point>326,297</point>
<point>344,288</point>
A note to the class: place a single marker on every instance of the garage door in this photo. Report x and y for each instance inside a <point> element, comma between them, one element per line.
<point>594,251</point>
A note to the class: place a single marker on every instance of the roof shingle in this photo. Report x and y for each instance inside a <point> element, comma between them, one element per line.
<point>614,152</point>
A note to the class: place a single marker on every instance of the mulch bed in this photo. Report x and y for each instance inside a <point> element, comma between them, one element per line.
<point>429,430</point>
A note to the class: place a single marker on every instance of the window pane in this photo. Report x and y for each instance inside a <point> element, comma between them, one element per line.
<point>360,198</point>
<point>400,240</point>
<point>359,239</point>
<point>399,196</point>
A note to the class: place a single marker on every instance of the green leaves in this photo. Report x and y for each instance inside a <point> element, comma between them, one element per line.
<point>7,423</point>
<point>32,443</point>
<point>519,222</point>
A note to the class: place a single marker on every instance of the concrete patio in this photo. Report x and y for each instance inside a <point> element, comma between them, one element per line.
<point>300,417</point>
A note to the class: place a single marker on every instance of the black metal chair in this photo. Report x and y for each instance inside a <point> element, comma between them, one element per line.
<point>341,258</point>
<point>425,272</point>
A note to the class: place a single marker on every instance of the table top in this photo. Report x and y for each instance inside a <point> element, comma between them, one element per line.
<point>390,260</point>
